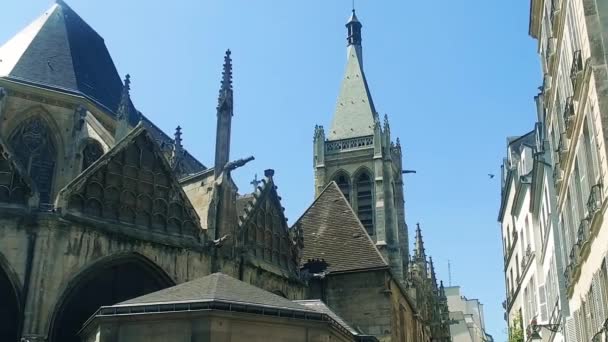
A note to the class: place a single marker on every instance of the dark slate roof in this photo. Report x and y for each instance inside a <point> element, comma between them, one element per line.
<point>333,232</point>
<point>321,307</point>
<point>216,287</point>
<point>60,51</point>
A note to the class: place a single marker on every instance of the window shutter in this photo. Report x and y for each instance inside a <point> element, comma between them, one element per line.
<point>542,297</point>
<point>570,330</point>
<point>577,327</point>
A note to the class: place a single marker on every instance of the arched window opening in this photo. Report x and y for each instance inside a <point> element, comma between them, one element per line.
<point>35,150</point>
<point>344,185</point>
<point>364,202</point>
<point>10,317</point>
<point>90,153</point>
<point>105,285</point>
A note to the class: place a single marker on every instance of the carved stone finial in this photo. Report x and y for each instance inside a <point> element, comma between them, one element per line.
<point>226,86</point>
<point>178,137</point>
<point>123,113</point>
<point>176,154</point>
<point>269,173</point>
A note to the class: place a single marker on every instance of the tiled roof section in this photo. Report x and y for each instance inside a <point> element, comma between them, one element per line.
<point>321,307</point>
<point>333,232</point>
<point>355,112</point>
<point>217,287</point>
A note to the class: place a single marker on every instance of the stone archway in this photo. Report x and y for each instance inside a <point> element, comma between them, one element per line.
<point>10,307</point>
<point>106,283</point>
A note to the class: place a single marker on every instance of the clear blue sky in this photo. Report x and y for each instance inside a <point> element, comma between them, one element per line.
<point>455,78</point>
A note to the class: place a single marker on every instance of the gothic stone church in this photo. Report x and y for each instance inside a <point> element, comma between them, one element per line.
<point>108,226</point>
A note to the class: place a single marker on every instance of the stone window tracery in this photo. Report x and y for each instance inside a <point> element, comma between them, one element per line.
<point>36,151</point>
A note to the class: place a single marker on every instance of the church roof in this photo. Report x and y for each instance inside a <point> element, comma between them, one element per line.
<point>355,112</point>
<point>321,307</point>
<point>333,232</point>
<point>59,50</point>
<point>216,287</point>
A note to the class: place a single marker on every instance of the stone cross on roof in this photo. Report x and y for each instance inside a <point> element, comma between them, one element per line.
<point>255,182</point>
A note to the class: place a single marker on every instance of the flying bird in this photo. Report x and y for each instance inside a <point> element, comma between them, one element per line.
<point>490,175</point>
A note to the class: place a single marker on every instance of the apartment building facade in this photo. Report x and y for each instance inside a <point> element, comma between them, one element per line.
<point>568,195</point>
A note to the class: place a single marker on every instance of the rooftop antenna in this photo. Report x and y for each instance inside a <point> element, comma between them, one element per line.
<point>449,273</point>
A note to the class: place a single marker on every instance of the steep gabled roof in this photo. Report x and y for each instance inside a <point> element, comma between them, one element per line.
<point>217,287</point>
<point>333,232</point>
<point>355,112</point>
<point>134,185</point>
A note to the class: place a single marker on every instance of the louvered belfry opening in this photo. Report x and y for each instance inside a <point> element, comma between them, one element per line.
<point>364,202</point>
<point>344,185</point>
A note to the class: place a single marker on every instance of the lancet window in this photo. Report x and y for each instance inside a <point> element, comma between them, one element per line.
<point>35,149</point>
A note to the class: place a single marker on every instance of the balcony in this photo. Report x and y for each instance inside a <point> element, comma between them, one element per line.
<point>526,260</point>
<point>594,203</point>
<point>583,234</point>
<point>558,175</point>
<point>576,71</point>
<point>563,148</point>
<point>570,115</point>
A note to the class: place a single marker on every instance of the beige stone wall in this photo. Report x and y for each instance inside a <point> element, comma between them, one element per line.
<point>214,326</point>
<point>362,299</point>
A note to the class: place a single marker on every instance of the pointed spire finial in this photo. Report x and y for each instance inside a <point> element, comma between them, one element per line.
<point>354,29</point>
<point>123,114</point>
<point>419,245</point>
<point>176,154</point>
<point>178,137</point>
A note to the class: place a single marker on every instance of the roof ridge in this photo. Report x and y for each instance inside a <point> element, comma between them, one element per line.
<point>315,201</point>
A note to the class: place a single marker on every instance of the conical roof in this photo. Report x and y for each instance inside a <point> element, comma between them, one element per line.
<point>59,50</point>
<point>355,112</point>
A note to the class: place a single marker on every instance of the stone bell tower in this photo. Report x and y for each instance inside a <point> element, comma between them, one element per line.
<point>358,154</point>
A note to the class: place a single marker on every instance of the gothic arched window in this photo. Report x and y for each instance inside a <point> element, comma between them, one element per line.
<point>35,149</point>
<point>90,153</point>
<point>344,185</point>
<point>364,202</point>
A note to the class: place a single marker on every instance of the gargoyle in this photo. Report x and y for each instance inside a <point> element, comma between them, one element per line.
<point>230,166</point>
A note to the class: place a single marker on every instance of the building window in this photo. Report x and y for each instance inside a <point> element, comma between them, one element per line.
<point>90,153</point>
<point>364,202</point>
<point>343,184</point>
<point>35,149</point>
